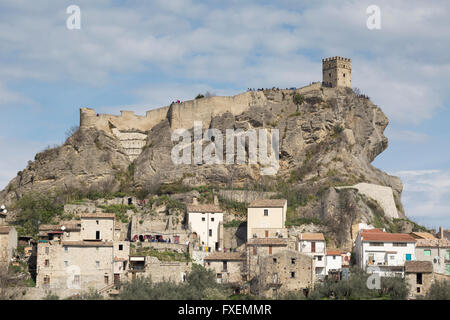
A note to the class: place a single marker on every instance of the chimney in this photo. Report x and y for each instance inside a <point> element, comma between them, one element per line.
<point>216,200</point>
<point>194,201</point>
<point>441,233</point>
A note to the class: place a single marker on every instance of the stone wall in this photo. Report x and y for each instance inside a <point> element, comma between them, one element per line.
<point>246,196</point>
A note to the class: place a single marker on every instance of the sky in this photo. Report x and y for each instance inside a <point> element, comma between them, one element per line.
<point>136,55</point>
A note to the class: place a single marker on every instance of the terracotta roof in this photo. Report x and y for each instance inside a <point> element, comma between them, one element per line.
<point>98,215</point>
<point>226,256</point>
<point>87,243</point>
<point>418,266</point>
<point>204,208</point>
<point>333,253</point>
<point>267,241</point>
<point>422,235</point>
<point>69,226</point>
<point>447,234</point>
<point>4,229</point>
<point>120,259</point>
<point>433,243</point>
<point>386,237</point>
<point>268,203</point>
<point>311,236</point>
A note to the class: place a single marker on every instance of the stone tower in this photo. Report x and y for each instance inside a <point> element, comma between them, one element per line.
<point>337,72</point>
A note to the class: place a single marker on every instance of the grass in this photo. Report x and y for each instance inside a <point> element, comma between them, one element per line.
<point>233,224</point>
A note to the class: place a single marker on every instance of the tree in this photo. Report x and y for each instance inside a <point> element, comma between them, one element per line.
<point>439,290</point>
<point>199,96</point>
<point>298,99</point>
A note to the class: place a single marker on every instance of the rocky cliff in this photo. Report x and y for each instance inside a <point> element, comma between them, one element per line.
<point>328,139</point>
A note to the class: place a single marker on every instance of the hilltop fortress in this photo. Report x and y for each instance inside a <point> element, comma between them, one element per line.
<point>131,129</point>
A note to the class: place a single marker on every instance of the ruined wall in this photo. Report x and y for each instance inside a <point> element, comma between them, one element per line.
<point>233,273</point>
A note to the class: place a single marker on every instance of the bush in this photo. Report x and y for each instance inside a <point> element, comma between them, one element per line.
<point>439,290</point>
<point>298,99</point>
<point>200,285</point>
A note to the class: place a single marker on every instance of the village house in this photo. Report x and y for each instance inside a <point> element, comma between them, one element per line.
<point>266,218</point>
<point>158,271</point>
<point>204,220</point>
<point>261,247</point>
<point>384,253</point>
<point>81,254</point>
<point>333,264</point>
<point>284,271</point>
<point>419,277</point>
<point>436,251</point>
<point>229,267</point>
<point>8,244</point>
<point>313,244</point>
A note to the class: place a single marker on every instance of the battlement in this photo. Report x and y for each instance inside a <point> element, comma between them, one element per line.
<point>337,72</point>
<point>337,58</point>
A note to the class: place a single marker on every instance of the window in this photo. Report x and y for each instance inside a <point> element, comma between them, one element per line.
<point>334,257</point>
<point>447,255</point>
<point>419,278</point>
<point>447,269</point>
<point>76,279</point>
<point>266,212</point>
<point>210,232</point>
<point>292,274</point>
<point>399,244</point>
<point>319,258</point>
<point>212,219</point>
<point>46,280</point>
<point>408,257</point>
<point>427,252</point>
<point>47,249</point>
<point>106,279</point>
<point>224,266</point>
<point>96,221</point>
<point>344,75</point>
<point>68,234</point>
<point>203,219</point>
<point>66,249</point>
<point>418,289</point>
<point>392,257</point>
<point>97,263</point>
<point>97,235</point>
<point>120,247</point>
<point>270,249</point>
<point>66,263</point>
<point>292,260</point>
<point>376,244</point>
<point>274,260</point>
<point>47,263</point>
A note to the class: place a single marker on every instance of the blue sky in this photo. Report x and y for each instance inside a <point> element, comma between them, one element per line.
<point>140,55</point>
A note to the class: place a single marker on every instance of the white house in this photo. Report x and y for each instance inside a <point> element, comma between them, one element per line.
<point>333,262</point>
<point>266,218</point>
<point>384,253</point>
<point>204,220</point>
<point>313,244</point>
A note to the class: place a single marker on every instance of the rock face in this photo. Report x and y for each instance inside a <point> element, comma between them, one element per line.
<point>327,141</point>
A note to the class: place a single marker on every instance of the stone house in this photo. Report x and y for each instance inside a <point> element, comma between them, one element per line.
<point>314,244</point>
<point>261,247</point>
<point>377,251</point>
<point>205,220</point>
<point>158,271</point>
<point>287,270</point>
<point>229,267</point>
<point>81,254</point>
<point>266,218</point>
<point>419,277</point>
<point>437,251</point>
<point>8,244</point>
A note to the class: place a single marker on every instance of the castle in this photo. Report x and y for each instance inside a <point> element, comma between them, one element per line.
<point>337,72</point>
<point>131,129</point>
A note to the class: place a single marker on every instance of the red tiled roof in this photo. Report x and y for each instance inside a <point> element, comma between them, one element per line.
<point>267,241</point>
<point>204,208</point>
<point>268,203</point>
<point>4,230</point>
<point>372,230</point>
<point>333,253</point>
<point>386,237</point>
<point>311,236</point>
<point>226,256</point>
<point>418,266</point>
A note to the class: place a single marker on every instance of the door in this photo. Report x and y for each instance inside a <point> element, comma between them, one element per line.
<point>313,247</point>
<point>267,233</point>
<point>270,249</point>
<point>97,235</point>
<point>116,279</point>
<point>408,257</point>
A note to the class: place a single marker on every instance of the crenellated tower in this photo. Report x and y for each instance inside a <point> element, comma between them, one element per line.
<point>337,72</point>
